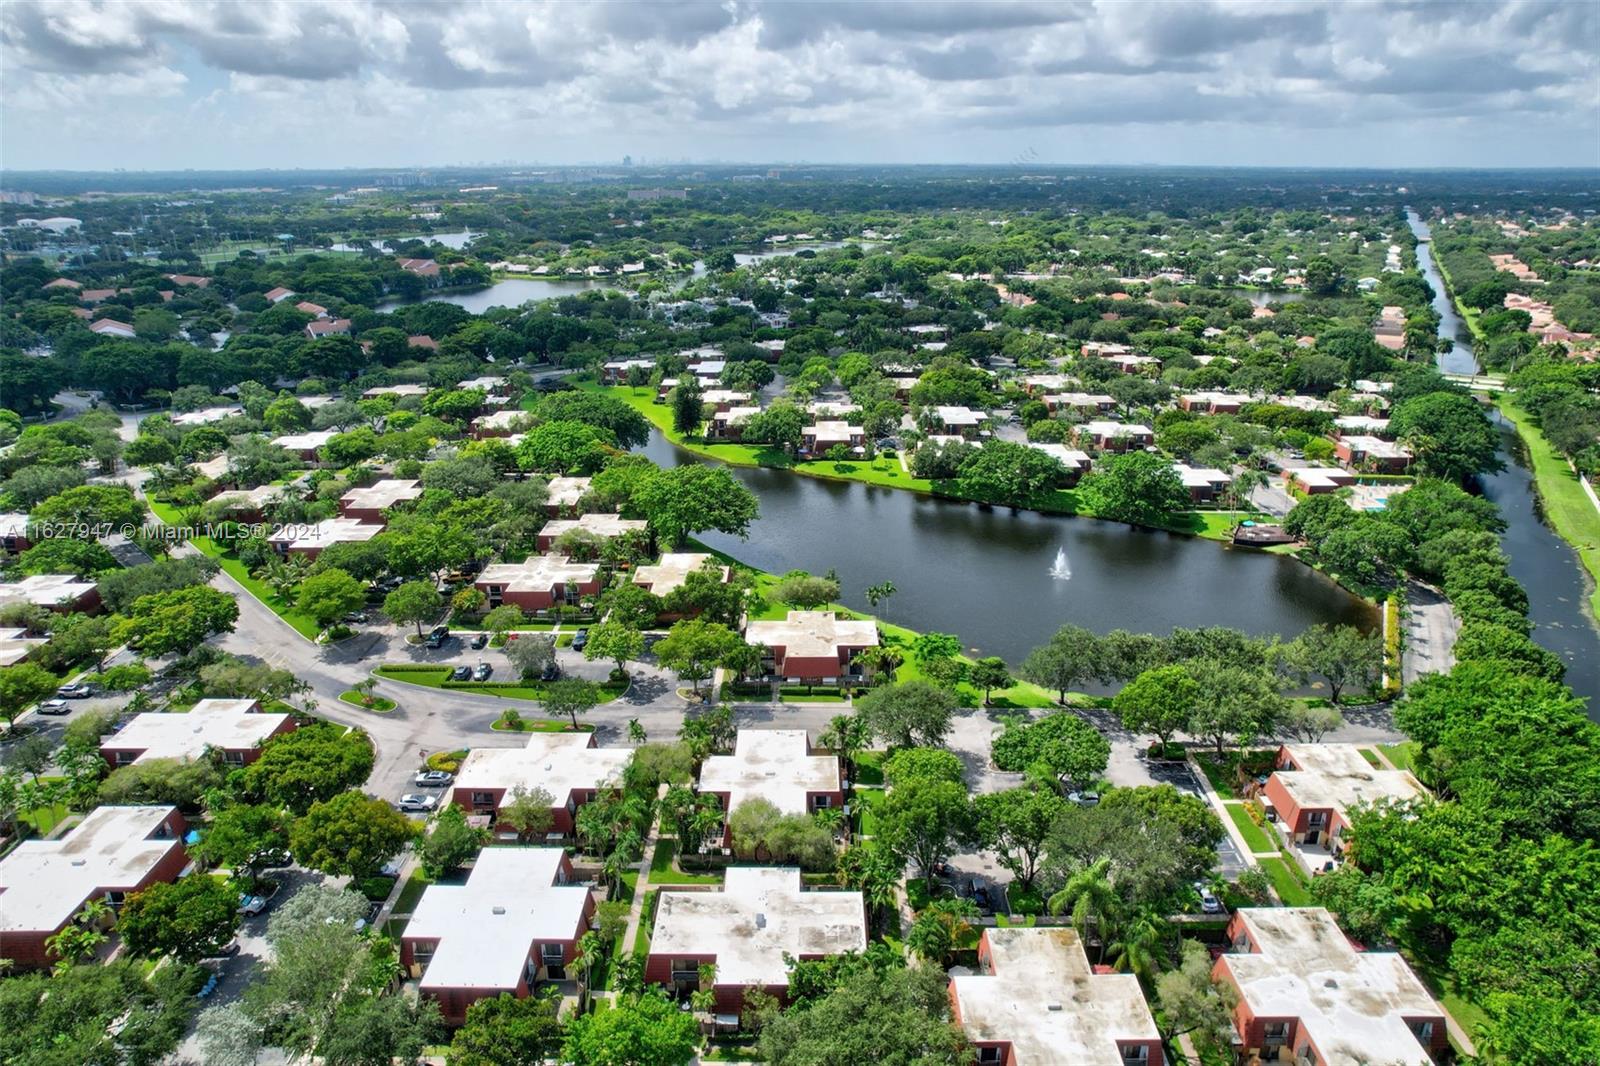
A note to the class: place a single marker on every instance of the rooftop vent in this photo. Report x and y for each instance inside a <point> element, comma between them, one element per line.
<point>1330,983</point>
<point>1052,1006</point>
<point>499,910</point>
<point>761,921</point>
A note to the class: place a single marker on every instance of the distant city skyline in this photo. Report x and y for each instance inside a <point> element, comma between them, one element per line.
<point>374,83</point>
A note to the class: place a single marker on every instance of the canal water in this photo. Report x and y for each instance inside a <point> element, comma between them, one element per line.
<point>1558,586</point>
<point>985,575</point>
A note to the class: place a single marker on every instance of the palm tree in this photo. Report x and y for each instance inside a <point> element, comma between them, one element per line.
<point>586,953</point>
<point>845,736</point>
<point>1091,899</point>
<point>636,733</point>
<point>1142,947</point>
<point>880,662</point>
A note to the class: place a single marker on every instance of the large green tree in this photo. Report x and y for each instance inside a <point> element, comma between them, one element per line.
<point>188,919</point>
<point>507,1031</point>
<point>693,498</point>
<point>350,833</point>
<point>1137,487</point>
<point>898,1017</point>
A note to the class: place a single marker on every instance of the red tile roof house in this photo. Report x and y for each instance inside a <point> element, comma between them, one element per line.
<point>235,728</point>
<point>423,268</point>
<point>1307,994</point>
<point>315,310</point>
<point>188,279</point>
<point>760,915</point>
<point>1314,787</point>
<point>324,328</point>
<point>816,440</point>
<point>422,340</point>
<point>516,921</point>
<point>776,765</point>
<point>94,296</point>
<point>566,765</point>
<point>1385,457</point>
<point>110,327</point>
<point>309,540</point>
<point>278,295</point>
<point>1112,436</point>
<point>814,646</point>
<point>64,283</point>
<point>601,524</point>
<point>539,582</point>
<point>1036,1001</point>
<point>112,852</point>
<point>371,504</point>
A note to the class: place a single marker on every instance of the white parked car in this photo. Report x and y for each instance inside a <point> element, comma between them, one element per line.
<point>416,801</point>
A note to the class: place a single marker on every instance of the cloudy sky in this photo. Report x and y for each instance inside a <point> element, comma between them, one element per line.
<point>168,84</point>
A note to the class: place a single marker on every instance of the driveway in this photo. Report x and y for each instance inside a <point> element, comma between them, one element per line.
<point>1431,628</point>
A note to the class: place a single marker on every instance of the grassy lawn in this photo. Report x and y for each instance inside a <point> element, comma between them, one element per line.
<point>1371,757</point>
<point>647,923</point>
<point>1219,774</point>
<point>867,801</point>
<point>302,623</point>
<point>1286,882</point>
<point>662,871</point>
<point>869,767</point>
<point>379,705</point>
<point>409,895</point>
<point>1566,506</point>
<point>1404,756</point>
<point>542,725</point>
<point>1253,834</point>
<point>431,677</point>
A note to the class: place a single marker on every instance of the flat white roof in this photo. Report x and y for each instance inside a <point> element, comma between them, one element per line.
<point>760,914</point>
<point>13,525</point>
<point>15,644</point>
<point>843,432</point>
<point>1336,776</point>
<point>487,928</point>
<point>1049,382</point>
<point>959,416</point>
<point>301,442</point>
<point>1376,446</point>
<point>811,634</point>
<point>44,882</point>
<point>832,409</point>
<point>566,491</point>
<point>44,590</point>
<point>1078,399</point>
<point>671,570</point>
<point>736,416</point>
<point>1072,458</point>
<point>257,497</point>
<point>601,525</point>
<point>1112,430</point>
<point>538,573</point>
<point>1200,477</point>
<point>559,763</point>
<point>1045,999</point>
<point>730,396</point>
<point>382,495</point>
<point>1353,1005</point>
<point>206,416</point>
<point>326,532</point>
<point>228,725</point>
<point>487,384</point>
<point>771,764</point>
<point>1362,423</point>
<point>506,419</point>
<point>396,390</point>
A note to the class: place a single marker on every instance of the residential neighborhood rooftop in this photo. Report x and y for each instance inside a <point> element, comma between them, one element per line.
<point>538,573</point>
<point>761,914</point>
<point>307,441</point>
<point>566,491</point>
<point>486,927</point>
<point>672,570</point>
<point>1353,1005</point>
<point>604,524</point>
<point>227,725</point>
<point>1045,999</point>
<point>771,764</point>
<point>381,495</point>
<point>559,763</point>
<point>44,882</point>
<point>306,538</point>
<point>45,590</point>
<point>808,634</point>
<point>1337,776</point>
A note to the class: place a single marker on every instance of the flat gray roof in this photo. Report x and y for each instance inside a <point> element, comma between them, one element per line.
<point>761,913</point>
<point>1336,776</point>
<point>228,725</point>
<point>44,882</point>
<point>771,764</point>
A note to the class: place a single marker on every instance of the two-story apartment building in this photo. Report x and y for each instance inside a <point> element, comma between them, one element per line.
<point>1311,792</point>
<point>370,504</point>
<point>776,765</point>
<point>603,525</point>
<point>1036,1001</point>
<point>235,729</point>
<point>538,582</point>
<point>1105,436</point>
<point>760,915</point>
<point>114,851</point>
<point>567,766</point>
<point>516,921</point>
<point>1308,997</point>
<point>814,646</point>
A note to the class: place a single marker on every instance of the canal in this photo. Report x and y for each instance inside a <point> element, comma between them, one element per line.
<point>1557,584</point>
<point>986,574</point>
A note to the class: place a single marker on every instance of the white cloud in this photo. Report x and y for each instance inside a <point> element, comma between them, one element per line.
<point>415,81</point>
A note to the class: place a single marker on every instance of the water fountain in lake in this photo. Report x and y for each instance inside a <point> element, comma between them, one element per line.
<point>1061,571</point>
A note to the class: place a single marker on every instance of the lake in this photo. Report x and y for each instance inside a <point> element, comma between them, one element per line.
<point>985,574</point>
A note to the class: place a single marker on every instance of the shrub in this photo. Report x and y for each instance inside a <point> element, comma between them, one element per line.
<point>375,888</point>
<point>448,761</point>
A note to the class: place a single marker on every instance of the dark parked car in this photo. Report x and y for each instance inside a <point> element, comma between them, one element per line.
<point>579,639</point>
<point>480,642</point>
<point>482,672</point>
<point>461,673</point>
<point>438,637</point>
<point>550,672</point>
